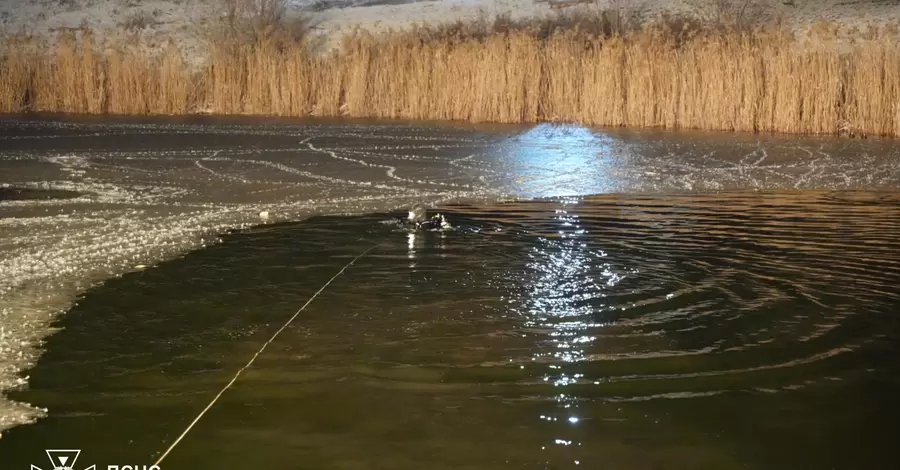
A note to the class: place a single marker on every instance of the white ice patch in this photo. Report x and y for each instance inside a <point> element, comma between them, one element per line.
<point>139,206</point>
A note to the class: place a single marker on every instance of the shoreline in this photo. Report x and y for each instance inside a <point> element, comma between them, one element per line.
<point>599,70</point>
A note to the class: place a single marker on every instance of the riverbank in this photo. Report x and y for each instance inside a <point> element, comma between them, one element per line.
<point>597,67</point>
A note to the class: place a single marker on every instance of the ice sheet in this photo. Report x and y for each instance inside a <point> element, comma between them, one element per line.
<point>150,191</point>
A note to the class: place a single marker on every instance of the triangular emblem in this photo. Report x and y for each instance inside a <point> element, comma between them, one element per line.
<point>63,458</point>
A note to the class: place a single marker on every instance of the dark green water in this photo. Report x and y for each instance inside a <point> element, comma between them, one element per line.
<point>735,330</point>
<point>20,194</point>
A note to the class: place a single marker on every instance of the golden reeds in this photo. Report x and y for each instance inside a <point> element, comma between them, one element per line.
<point>657,76</point>
<point>16,71</point>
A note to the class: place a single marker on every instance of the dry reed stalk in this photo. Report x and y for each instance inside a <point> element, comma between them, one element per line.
<point>691,88</point>
<point>93,77</point>
<point>275,90</point>
<point>892,83</point>
<point>873,88</point>
<point>326,80</point>
<point>563,78</point>
<point>604,90</point>
<point>371,70</point>
<point>461,80</point>
<point>16,69</point>
<point>723,94</point>
<point>720,98</point>
<point>67,75</point>
<point>396,74</point>
<point>261,65</point>
<point>173,95</point>
<point>765,119</point>
<point>131,84</point>
<point>226,78</point>
<point>299,82</point>
<point>759,80</point>
<point>44,95</point>
<point>424,58</point>
<point>750,69</point>
<point>523,59</point>
<point>780,109</point>
<point>456,83</point>
<point>441,70</point>
<point>789,90</point>
<point>487,80</point>
<point>666,86</point>
<point>640,97</point>
<point>821,93</point>
<point>359,54</point>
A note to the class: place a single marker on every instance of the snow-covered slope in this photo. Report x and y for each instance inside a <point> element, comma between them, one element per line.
<point>187,22</point>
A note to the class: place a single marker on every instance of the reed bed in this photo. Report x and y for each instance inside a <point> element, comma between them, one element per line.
<point>658,75</point>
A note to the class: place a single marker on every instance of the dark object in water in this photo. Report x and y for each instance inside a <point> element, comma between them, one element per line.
<point>416,219</point>
<point>436,222</point>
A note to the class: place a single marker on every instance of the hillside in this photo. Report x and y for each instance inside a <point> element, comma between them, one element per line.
<point>188,22</point>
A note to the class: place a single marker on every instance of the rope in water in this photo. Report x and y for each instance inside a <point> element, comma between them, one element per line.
<point>263,348</point>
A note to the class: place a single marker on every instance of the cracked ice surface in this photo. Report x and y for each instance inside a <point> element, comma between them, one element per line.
<point>152,191</point>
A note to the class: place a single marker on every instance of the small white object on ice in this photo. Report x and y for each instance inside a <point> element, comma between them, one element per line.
<point>264,215</point>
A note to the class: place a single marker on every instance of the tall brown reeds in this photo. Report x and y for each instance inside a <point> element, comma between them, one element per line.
<point>76,75</point>
<point>670,74</point>
<point>16,71</point>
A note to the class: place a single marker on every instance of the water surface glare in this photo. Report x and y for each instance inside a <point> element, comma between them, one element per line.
<point>732,330</point>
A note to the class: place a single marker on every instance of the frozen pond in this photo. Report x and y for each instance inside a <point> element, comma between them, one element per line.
<point>86,200</point>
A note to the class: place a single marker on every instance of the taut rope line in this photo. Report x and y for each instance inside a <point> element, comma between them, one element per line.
<point>263,348</point>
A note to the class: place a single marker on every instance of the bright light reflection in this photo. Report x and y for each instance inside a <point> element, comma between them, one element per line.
<point>566,286</point>
<point>411,251</point>
<point>552,160</point>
